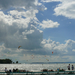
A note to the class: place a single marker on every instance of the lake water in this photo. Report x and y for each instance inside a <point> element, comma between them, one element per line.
<point>35,67</point>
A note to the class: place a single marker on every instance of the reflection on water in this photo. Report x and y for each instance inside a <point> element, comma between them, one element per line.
<point>35,67</point>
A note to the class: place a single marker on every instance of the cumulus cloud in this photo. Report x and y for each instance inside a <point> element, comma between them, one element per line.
<point>60,51</point>
<point>64,8</point>
<point>13,36</point>
<point>58,48</point>
<point>73,50</point>
<point>48,24</point>
<point>50,0</point>
<point>21,18</point>
<point>17,3</point>
<point>21,4</point>
<point>15,31</point>
<point>20,28</point>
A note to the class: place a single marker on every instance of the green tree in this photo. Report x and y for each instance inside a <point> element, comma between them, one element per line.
<point>5,61</point>
<point>16,62</point>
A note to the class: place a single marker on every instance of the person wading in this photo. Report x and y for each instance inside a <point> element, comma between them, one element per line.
<point>68,67</point>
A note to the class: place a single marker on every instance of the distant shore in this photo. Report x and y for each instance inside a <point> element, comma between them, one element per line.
<point>40,63</point>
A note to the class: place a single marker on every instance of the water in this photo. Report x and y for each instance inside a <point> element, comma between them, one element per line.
<point>35,67</point>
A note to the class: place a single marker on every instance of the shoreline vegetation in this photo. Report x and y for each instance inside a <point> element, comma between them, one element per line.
<point>8,61</point>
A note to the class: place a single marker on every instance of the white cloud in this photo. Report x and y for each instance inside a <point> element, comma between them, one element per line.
<point>17,3</point>
<point>60,51</point>
<point>6,18</point>
<point>48,24</point>
<point>66,8</point>
<point>49,44</point>
<point>19,27</point>
<point>42,8</point>
<point>17,30</point>
<point>2,47</point>
<point>22,4</point>
<point>27,32</point>
<point>15,16</point>
<point>73,50</point>
<point>58,48</point>
<point>50,0</point>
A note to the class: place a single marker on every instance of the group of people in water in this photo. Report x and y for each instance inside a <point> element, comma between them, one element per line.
<point>15,70</point>
<point>71,67</point>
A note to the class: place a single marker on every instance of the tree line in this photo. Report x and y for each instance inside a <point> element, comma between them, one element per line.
<point>6,61</point>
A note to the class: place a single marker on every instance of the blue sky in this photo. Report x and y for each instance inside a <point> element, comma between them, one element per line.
<point>40,27</point>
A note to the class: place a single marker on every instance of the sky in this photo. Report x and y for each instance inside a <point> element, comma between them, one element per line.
<point>40,27</point>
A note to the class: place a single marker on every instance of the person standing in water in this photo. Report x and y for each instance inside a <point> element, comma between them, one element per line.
<point>72,67</point>
<point>68,67</point>
<point>6,69</point>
